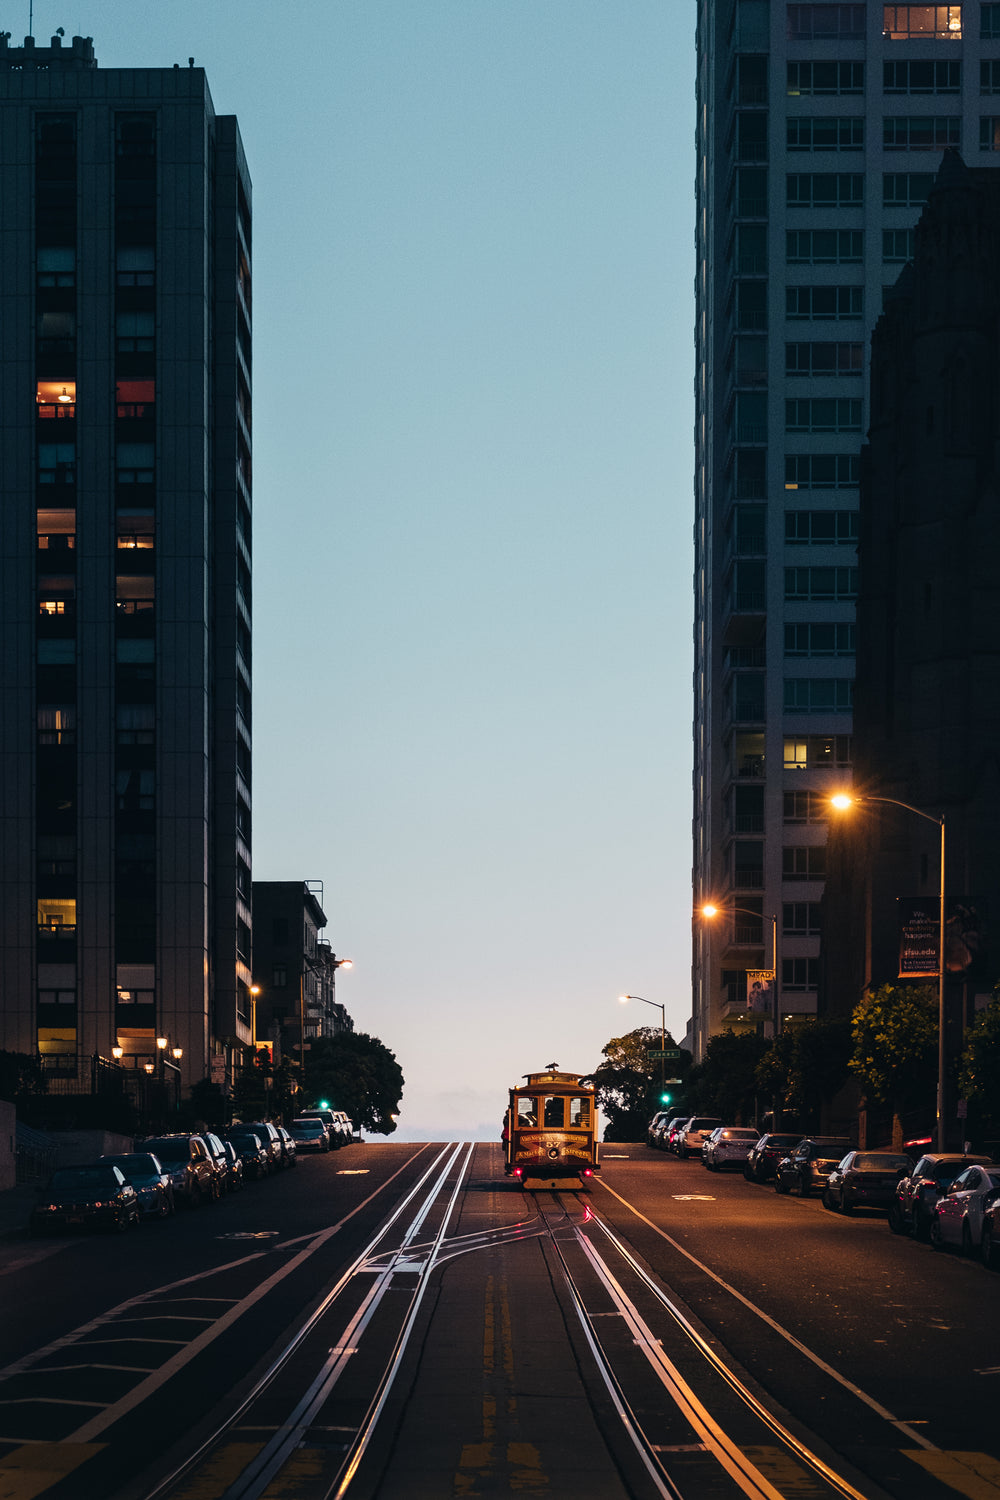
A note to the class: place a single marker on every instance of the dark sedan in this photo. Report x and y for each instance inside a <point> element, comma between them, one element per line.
<point>912,1209</point>
<point>77,1197</point>
<point>251,1151</point>
<point>151,1181</point>
<point>865,1179</point>
<point>764,1157</point>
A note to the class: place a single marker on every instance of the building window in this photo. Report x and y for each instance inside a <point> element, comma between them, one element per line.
<point>279,977</point>
<point>838,527</point>
<point>824,303</point>
<point>750,141</point>
<point>56,917</point>
<point>823,414</point>
<point>923,76</point>
<point>805,807</point>
<point>831,584</point>
<point>135,997</point>
<point>989,75</point>
<point>825,78</point>
<point>800,918</point>
<point>135,724</point>
<point>134,463</point>
<point>824,247</point>
<point>989,132</point>
<point>825,190</point>
<point>56,724</point>
<point>819,133</point>
<point>821,471</point>
<point>135,332</point>
<point>897,246</point>
<point>803,862</point>
<point>57,463</point>
<point>825,359</point>
<point>55,267</point>
<point>921,132</point>
<point>136,791</point>
<point>816,23</point>
<point>799,973</point>
<point>902,23</point>
<point>818,695</point>
<point>989,23</point>
<point>820,638</point>
<point>135,265</point>
<point>906,189</point>
<point>817,751</point>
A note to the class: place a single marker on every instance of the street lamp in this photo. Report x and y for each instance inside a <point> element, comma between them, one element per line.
<point>254,992</point>
<point>842,801</point>
<point>623,1000</point>
<point>710,911</point>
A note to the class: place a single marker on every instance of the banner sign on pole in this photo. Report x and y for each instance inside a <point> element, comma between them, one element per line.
<point>919,937</point>
<point>760,991</point>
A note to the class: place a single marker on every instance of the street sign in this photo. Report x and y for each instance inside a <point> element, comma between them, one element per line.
<point>664,1052</point>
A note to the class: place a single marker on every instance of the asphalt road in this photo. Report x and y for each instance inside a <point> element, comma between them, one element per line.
<point>409,1313</point>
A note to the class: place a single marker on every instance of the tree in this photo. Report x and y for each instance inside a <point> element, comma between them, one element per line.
<point>208,1104</point>
<point>21,1076</point>
<point>724,1083</point>
<point>265,1090</point>
<point>895,1031</point>
<point>358,1074</point>
<point>627,1083</point>
<point>979,1069</point>
<point>803,1068</point>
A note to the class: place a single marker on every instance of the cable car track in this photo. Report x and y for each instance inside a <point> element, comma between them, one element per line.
<point>600,1299</point>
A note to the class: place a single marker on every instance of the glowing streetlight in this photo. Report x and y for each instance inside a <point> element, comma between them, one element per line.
<point>623,1000</point>
<point>843,801</point>
<point>710,910</point>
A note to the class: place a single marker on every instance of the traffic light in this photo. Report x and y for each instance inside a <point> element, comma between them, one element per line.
<point>664,1098</point>
<point>323,1104</point>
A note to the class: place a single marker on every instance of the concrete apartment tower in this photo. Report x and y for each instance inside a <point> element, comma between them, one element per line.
<point>820,130</point>
<point>125,387</point>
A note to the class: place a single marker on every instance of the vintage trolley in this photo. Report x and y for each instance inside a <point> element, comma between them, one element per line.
<point>550,1131</point>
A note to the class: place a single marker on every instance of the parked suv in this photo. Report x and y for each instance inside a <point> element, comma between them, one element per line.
<point>917,1195</point>
<point>810,1163</point>
<point>270,1140</point>
<point>193,1173</point>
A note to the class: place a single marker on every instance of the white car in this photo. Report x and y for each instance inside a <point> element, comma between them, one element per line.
<point>697,1129</point>
<point>957,1218</point>
<point>730,1147</point>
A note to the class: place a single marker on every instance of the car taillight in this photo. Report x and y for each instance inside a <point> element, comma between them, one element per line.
<point>587,1172</point>
<point>518,1172</point>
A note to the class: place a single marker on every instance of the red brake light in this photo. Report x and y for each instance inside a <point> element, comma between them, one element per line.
<point>587,1172</point>
<point>518,1171</point>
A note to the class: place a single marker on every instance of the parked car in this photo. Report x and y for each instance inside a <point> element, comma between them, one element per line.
<point>865,1179</point>
<point>957,1216</point>
<point>989,1241</point>
<point>92,1195</point>
<point>661,1140</point>
<point>729,1146</point>
<point>217,1152</point>
<point>916,1195</point>
<point>194,1176</point>
<point>309,1135</point>
<point>329,1119</point>
<point>658,1119</point>
<point>809,1164</point>
<point>674,1132</point>
<point>270,1140</point>
<point>288,1148</point>
<point>251,1151</point>
<point>691,1135</point>
<point>765,1155</point>
<point>151,1181</point>
<point>233,1167</point>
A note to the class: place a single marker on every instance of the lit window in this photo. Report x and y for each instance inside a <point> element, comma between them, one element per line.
<point>55,399</point>
<point>135,398</point>
<point>55,531</point>
<point>56,725</point>
<point>56,917</point>
<point>901,23</point>
<point>135,530</point>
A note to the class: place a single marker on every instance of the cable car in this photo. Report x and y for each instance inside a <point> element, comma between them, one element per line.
<point>550,1135</point>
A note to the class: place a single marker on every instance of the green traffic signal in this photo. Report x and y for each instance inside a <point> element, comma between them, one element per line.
<point>323,1104</point>
<point>664,1098</point>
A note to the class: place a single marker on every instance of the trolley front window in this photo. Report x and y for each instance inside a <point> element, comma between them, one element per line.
<point>579,1112</point>
<point>525,1112</point>
<point>554,1112</point>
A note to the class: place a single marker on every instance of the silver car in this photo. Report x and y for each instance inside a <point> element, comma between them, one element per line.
<point>697,1129</point>
<point>730,1147</point>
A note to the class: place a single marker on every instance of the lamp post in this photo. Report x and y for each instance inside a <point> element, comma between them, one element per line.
<point>254,992</point>
<point>842,801</point>
<point>623,1000</point>
<point>711,911</point>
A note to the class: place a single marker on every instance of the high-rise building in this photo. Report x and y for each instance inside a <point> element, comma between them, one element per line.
<point>820,129</point>
<point>125,387</point>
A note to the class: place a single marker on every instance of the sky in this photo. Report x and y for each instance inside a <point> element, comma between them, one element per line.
<point>473,458</point>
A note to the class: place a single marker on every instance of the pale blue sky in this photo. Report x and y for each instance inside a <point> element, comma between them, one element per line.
<point>473,311</point>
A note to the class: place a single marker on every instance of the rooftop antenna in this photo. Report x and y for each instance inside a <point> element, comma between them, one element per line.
<point>31,17</point>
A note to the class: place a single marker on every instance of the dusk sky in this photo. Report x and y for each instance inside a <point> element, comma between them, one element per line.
<point>473,363</point>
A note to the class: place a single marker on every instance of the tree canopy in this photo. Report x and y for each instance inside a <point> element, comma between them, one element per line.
<point>627,1083</point>
<point>358,1074</point>
<point>979,1070</point>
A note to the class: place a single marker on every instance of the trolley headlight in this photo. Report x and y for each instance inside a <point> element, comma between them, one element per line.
<point>553,1152</point>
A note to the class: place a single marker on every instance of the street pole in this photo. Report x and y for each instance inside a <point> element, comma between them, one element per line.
<point>941,1131</point>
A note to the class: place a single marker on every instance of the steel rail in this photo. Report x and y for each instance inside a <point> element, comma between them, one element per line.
<point>280,1360</point>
